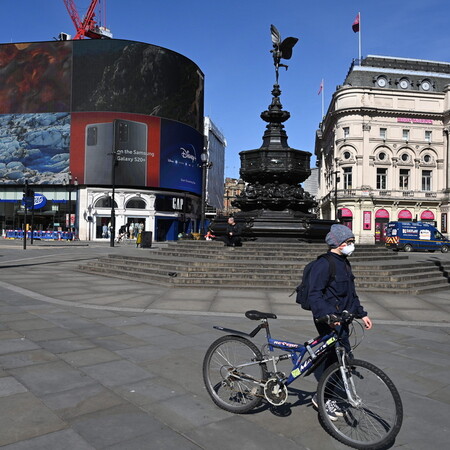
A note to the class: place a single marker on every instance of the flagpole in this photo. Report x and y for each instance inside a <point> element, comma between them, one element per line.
<point>323,105</point>
<point>359,38</point>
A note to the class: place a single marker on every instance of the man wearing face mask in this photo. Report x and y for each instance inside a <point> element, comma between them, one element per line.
<point>333,296</point>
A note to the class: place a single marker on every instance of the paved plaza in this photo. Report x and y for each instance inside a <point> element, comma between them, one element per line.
<point>92,362</point>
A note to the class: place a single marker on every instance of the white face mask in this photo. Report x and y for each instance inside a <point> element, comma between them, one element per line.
<point>348,249</point>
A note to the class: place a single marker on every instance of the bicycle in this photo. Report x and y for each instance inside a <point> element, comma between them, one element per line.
<point>120,238</point>
<point>238,379</point>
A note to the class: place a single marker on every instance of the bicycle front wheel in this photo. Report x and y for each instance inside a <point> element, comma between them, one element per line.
<point>373,416</point>
<point>233,375</point>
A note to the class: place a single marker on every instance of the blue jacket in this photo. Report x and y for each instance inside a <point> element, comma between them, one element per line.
<point>340,295</point>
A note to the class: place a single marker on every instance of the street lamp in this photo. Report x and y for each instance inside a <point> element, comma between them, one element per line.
<point>204,159</point>
<point>227,202</point>
<point>113,199</point>
<point>336,181</point>
<point>72,187</point>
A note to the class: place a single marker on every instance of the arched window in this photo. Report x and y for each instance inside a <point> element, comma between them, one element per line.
<point>405,215</point>
<point>427,215</point>
<point>135,203</point>
<point>382,214</point>
<point>105,202</point>
<point>345,212</point>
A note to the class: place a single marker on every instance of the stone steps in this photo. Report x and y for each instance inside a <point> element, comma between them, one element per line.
<point>236,254</point>
<point>292,270</point>
<point>413,286</point>
<point>375,268</point>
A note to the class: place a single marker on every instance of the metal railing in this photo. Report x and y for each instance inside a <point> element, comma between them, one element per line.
<point>385,193</point>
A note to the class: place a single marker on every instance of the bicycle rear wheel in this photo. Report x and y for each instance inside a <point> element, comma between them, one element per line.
<point>374,420</point>
<point>231,383</point>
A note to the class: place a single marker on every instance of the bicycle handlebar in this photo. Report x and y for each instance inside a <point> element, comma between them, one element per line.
<point>345,317</point>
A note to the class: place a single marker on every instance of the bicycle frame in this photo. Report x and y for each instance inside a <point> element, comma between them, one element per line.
<point>315,348</point>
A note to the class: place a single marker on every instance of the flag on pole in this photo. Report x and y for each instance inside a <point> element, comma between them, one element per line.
<point>320,88</point>
<point>355,25</point>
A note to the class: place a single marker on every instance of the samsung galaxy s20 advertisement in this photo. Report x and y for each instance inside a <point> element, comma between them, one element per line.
<point>135,150</point>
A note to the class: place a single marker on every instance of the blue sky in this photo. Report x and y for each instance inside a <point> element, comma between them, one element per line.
<point>230,42</point>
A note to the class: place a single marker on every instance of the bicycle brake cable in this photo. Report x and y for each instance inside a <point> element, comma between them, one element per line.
<point>356,334</point>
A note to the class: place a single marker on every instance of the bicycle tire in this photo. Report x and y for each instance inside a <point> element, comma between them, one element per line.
<point>376,421</point>
<point>221,360</point>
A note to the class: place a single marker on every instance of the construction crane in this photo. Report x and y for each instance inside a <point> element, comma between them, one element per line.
<point>87,27</point>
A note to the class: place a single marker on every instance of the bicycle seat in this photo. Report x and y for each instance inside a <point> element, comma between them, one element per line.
<point>257,315</point>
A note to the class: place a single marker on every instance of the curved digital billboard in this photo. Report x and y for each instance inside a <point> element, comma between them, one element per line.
<point>69,105</point>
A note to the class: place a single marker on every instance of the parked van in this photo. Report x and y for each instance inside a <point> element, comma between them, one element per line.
<point>410,236</point>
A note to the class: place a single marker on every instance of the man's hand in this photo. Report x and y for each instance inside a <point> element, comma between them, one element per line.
<point>367,322</point>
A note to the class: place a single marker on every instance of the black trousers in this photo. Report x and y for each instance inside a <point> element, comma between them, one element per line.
<point>232,240</point>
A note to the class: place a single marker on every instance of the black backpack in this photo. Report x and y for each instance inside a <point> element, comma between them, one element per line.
<point>303,288</point>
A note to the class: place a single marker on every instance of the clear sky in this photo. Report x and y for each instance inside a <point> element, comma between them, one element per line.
<point>230,42</point>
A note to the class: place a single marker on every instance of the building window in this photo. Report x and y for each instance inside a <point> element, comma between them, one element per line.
<point>105,202</point>
<point>427,159</point>
<point>425,85</point>
<point>347,155</point>
<point>381,178</point>
<point>346,132</point>
<point>347,177</point>
<point>404,157</point>
<point>426,180</point>
<point>428,136</point>
<point>404,179</point>
<point>404,83</point>
<point>381,156</point>
<point>135,203</point>
<point>383,132</point>
<point>406,135</point>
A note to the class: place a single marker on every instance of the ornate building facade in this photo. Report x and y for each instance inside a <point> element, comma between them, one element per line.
<point>383,147</point>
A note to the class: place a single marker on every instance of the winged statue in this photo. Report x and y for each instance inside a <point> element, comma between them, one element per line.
<point>281,49</point>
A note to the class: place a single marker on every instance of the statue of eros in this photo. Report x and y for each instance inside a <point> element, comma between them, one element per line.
<point>281,49</point>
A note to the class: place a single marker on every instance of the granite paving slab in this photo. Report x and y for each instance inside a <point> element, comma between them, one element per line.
<point>115,373</point>
<point>50,377</point>
<point>116,425</point>
<point>68,439</point>
<point>22,359</point>
<point>23,416</point>
<point>80,401</point>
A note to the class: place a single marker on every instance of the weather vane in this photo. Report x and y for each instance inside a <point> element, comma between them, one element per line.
<point>281,49</point>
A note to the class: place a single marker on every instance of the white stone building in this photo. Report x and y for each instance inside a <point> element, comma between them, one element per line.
<point>383,147</point>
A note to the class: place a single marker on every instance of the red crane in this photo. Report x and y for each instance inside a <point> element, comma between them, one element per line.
<point>88,27</point>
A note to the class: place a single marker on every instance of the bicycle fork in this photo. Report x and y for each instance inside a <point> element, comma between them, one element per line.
<point>349,385</point>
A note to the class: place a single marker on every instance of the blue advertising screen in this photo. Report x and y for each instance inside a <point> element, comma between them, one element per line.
<point>180,163</point>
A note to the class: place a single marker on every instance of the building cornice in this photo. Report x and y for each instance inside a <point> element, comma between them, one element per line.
<point>332,117</point>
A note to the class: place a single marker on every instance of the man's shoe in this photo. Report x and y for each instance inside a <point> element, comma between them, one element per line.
<point>331,407</point>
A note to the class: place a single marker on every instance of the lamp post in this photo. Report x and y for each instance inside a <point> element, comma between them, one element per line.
<point>336,181</point>
<point>227,202</point>
<point>204,158</point>
<point>113,200</point>
<point>71,187</point>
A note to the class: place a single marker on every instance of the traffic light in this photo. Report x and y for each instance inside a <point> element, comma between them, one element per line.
<point>27,191</point>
